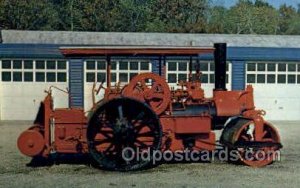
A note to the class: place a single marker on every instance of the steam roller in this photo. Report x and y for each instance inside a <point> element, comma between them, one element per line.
<point>147,115</point>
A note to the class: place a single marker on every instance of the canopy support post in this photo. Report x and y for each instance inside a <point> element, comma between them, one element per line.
<point>108,74</point>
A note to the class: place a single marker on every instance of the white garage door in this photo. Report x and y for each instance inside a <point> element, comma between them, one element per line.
<point>178,70</point>
<point>276,88</point>
<point>23,83</point>
<point>121,71</point>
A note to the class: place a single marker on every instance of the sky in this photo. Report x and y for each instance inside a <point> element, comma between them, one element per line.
<point>275,3</point>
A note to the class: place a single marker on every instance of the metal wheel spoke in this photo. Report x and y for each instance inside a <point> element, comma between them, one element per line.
<point>99,121</point>
<point>155,84</point>
<point>138,117</point>
<point>142,144</point>
<point>154,87</point>
<point>143,82</point>
<point>264,134</point>
<point>107,150</point>
<point>102,141</point>
<point>110,125</point>
<point>140,127</point>
<point>157,96</point>
<point>146,134</point>
<point>106,133</point>
<point>120,111</point>
<point>244,137</point>
<point>138,88</point>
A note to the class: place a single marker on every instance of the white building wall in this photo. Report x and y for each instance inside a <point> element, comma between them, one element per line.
<point>276,88</point>
<point>20,101</point>
<point>281,102</point>
<point>23,83</point>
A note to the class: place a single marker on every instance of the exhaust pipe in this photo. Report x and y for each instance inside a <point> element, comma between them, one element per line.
<point>220,66</point>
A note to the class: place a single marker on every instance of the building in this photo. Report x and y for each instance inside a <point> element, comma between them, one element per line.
<point>30,62</point>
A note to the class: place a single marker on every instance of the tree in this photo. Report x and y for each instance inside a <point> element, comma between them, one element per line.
<point>2,17</point>
<point>287,15</point>
<point>216,20</point>
<point>28,14</point>
<point>262,3</point>
<point>187,16</point>
<point>252,18</point>
<point>239,19</point>
<point>70,14</point>
<point>294,26</point>
<point>266,19</point>
<point>131,15</point>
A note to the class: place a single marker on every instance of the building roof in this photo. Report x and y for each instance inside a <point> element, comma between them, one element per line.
<point>156,39</point>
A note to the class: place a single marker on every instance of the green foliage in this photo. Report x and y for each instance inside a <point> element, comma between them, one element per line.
<point>252,18</point>
<point>294,26</point>
<point>185,16</point>
<point>266,19</point>
<point>28,14</point>
<point>130,15</point>
<point>215,21</point>
<point>288,16</point>
<point>82,15</point>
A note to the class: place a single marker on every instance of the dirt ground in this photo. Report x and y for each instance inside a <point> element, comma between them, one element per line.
<point>15,173</point>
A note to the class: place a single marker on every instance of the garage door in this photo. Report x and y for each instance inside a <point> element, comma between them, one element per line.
<point>178,70</point>
<point>23,83</point>
<point>121,71</point>
<point>276,88</point>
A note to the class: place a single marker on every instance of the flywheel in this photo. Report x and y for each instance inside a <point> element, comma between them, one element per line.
<point>150,88</point>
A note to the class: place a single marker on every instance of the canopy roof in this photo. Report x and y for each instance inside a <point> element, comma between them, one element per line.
<point>134,50</point>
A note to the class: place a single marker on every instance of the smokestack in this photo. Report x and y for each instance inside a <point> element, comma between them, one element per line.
<point>220,66</point>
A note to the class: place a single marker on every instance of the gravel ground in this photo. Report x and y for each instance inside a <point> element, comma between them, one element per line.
<point>15,173</point>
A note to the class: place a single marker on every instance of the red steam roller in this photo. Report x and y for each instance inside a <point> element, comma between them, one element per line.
<point>146,115</point>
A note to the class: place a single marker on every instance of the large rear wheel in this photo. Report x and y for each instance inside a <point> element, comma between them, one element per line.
<point>120,130</point>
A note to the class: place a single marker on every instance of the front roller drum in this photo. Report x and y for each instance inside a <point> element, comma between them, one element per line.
<point>120,130</point>
<point>31,143</point>
<point>240,136</point>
